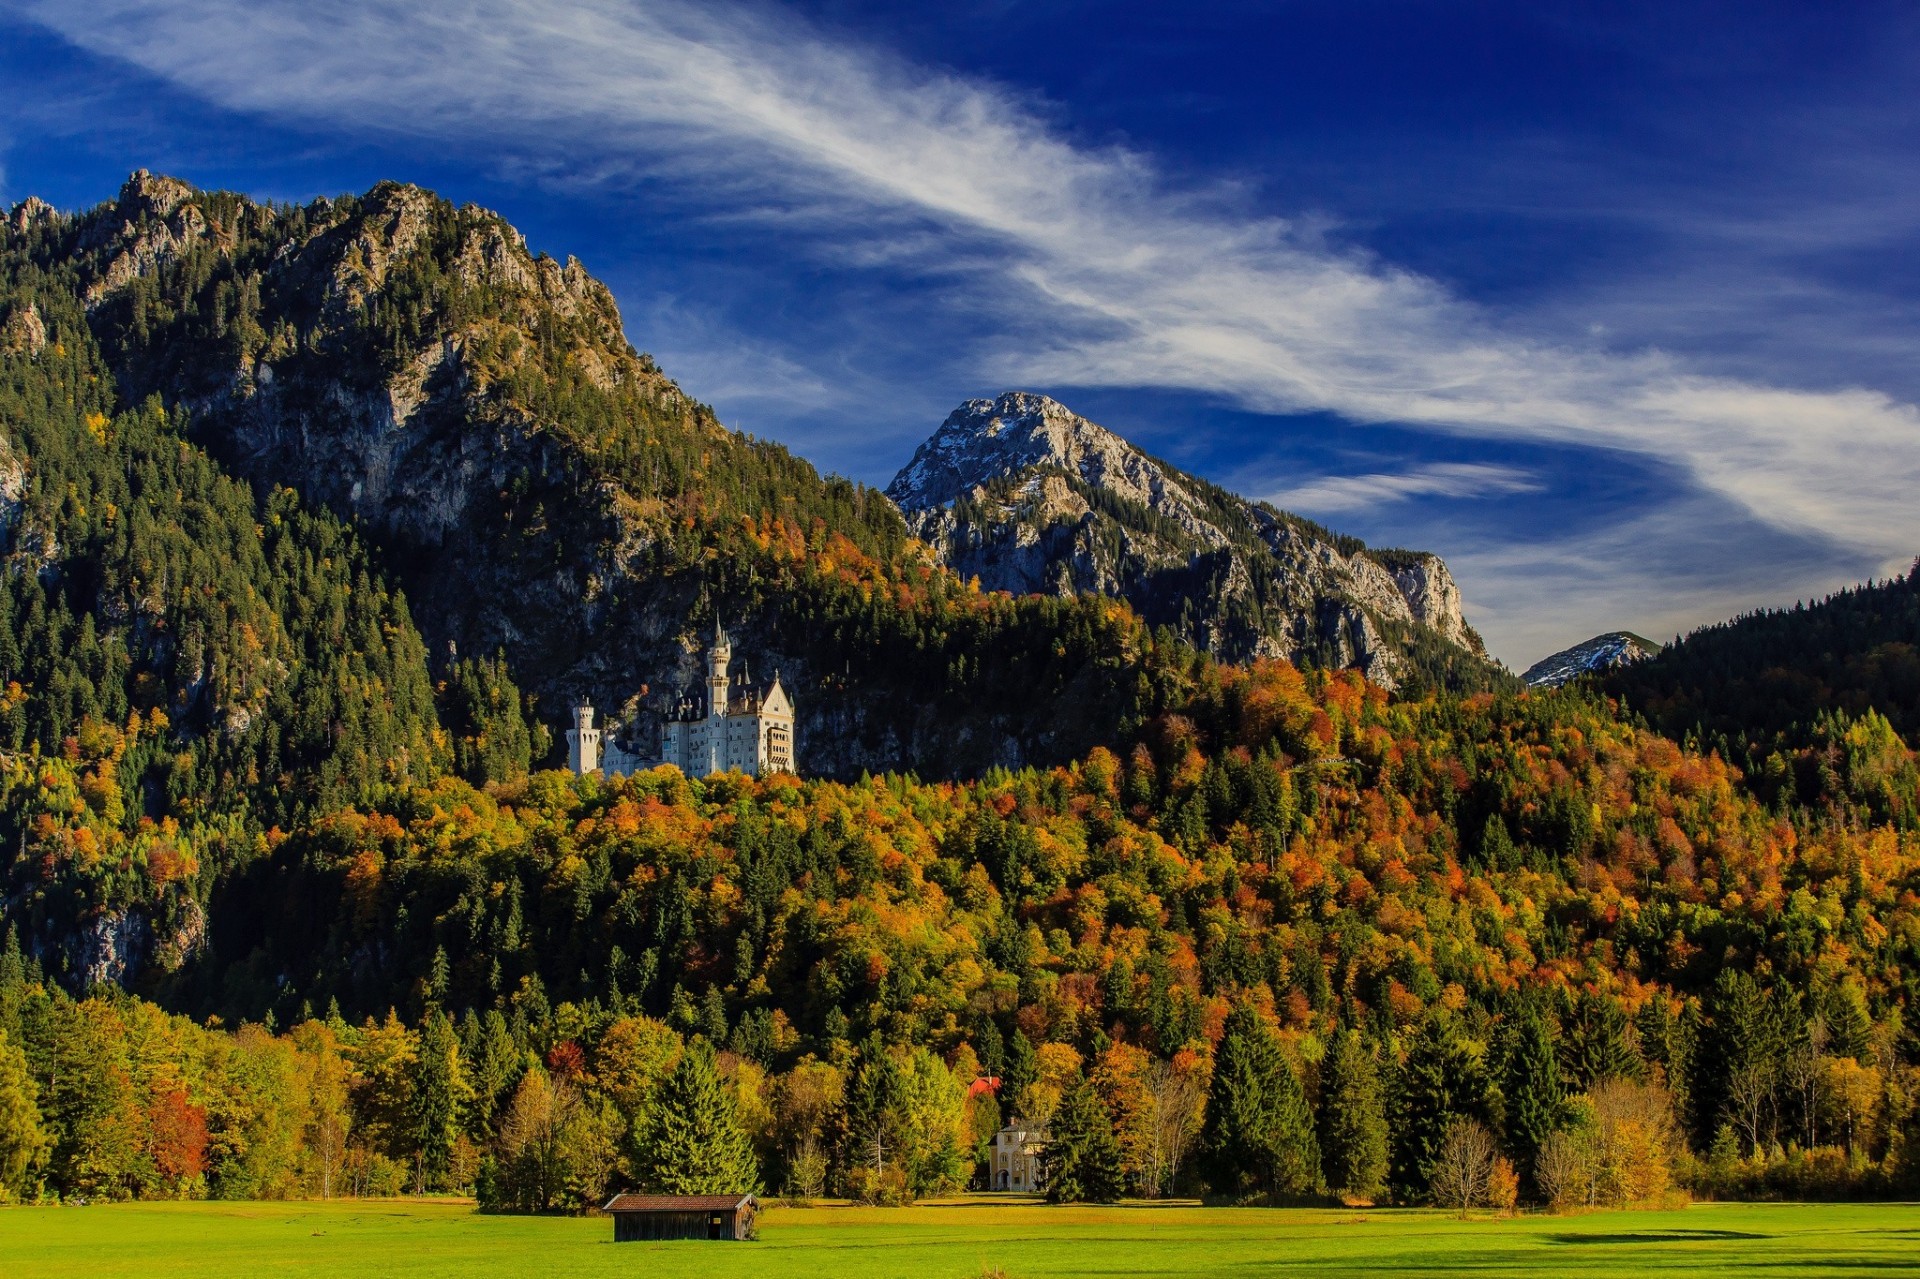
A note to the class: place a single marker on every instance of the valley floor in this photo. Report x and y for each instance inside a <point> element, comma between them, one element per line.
<point>957,1239</point>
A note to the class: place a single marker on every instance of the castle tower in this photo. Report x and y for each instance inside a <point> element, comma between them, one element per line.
<point>583,741</point>
<point>717,659</point>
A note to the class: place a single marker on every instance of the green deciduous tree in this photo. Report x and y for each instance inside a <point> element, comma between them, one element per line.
<point>23,1142</point>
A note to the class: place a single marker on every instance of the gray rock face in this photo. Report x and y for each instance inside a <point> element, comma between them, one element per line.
<point>24,332</point>
<point>1601,653</point>
<point>13,489</point>
<point>1030,497</point>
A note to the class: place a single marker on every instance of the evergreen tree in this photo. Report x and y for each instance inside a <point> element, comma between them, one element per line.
<point>1535,1101</point>
<point>1354,1126</point>
<point>1021,1069</point>
<point>1258,1137</point>
<point>876,1110</point>
<point>1595,1044</point>
<point>1442,1078</point>
<point>1081,1162</point>
<point>439,1100</point>
<point>691,1142</point>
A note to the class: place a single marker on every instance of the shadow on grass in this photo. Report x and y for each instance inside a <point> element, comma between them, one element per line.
<point>1660,1236</point>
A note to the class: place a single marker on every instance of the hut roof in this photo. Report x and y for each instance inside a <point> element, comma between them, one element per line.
<point>676,1203</point>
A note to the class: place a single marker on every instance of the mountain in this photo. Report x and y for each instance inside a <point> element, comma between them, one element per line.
<point>1601,653</point>
<point>298,503</point>
<point>540,491</point>
<point>1030,497</point>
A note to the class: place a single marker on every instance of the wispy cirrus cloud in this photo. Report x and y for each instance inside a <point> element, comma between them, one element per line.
<point>1337,493</point>
<point>1104,272</point>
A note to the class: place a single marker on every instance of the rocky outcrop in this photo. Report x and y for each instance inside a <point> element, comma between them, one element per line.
<point>1433,598</point>
<point>13,490</point>
<point>154,221</point>
<point>1030,497</point>
<point>24,332</point>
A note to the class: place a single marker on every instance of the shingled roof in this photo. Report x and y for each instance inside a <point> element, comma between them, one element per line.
<point>676,1203</point>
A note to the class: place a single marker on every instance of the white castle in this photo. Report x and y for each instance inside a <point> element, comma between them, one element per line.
<point>732,725</point>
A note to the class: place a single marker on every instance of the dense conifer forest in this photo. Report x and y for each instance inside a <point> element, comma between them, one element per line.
<point>291,906</point>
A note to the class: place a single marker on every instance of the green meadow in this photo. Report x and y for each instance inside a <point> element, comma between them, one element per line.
<point>958,1239</point>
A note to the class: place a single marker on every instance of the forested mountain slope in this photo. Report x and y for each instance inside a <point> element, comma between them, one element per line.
<point>1029,496</point>
<point>542,491</point>
<point>1796,696</point>
<point>1274,931</point>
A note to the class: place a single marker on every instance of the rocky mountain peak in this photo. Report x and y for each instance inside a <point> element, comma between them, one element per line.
<point>1016,432</point>
<point>1030,497</point>
<point>1601,653</point>
<point>29,212</point>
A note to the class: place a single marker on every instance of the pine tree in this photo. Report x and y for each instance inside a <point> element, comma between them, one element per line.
<point>691,1142</point>
<point>1081,1161</point>
<point>1355,1127</point>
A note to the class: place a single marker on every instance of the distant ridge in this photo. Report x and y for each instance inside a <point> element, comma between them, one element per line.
<point>1601,653</point>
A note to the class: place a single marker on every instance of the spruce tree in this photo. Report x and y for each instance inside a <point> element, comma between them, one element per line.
<point>1239,1119</point>
<point>1441,1078</point>
<point>1536,1103</point>
<point>691,1142</point>
<point>1082,1161</point>
<point>1596,1045</point>
<point>876,1110</point>
<point>439,1100</point>
<point>1354,1144</point>
<point>1258,1137</point>
<point>1294,1148</point>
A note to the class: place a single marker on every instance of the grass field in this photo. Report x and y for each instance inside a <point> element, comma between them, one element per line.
<point>956,1240</point>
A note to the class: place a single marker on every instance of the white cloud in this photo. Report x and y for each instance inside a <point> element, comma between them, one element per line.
<point>1336,493</point>
<point>1142,284</point>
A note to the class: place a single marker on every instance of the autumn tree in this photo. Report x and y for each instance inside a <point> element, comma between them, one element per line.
<point>23,1142</point>
<point>1463,1165</point>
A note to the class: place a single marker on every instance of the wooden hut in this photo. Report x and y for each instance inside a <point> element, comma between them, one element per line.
<point>638,1217</point>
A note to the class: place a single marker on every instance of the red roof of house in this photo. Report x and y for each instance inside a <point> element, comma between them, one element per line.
<point>989,1083</point>
<point>677,1203</point>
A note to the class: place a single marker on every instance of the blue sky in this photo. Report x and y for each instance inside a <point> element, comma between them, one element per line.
<point>1613,305</point>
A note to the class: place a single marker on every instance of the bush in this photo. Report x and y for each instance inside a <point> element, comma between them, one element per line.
<point>885,1189</point>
